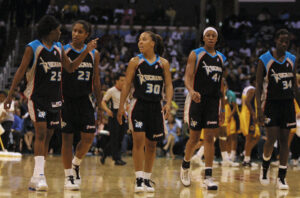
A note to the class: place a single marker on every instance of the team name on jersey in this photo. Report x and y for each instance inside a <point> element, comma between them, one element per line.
<point>279,76</point>
<point>86,65</point>
<point>49,65</point>
<point>211,68</point>
<point>144,78</point>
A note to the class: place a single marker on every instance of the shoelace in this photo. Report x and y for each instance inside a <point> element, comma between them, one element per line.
<point>76,168</point>
<point>139,182</point>
<point>186,174</point>
<point>148,182</point>
<point>71,179</point>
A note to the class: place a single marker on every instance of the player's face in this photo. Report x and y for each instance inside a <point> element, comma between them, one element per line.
<point>145,42</point>
<point>79,34</point>
<point>282,42</point>
<point>55,34</point>
<point>210,38</point>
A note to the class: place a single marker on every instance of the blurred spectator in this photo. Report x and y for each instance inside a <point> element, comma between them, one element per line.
<point>173,133</point>
<point>264,15</point>
<point>171,15</point>
<point>84,10</point>
<point>128,17</point>
<point>53,9</point>
<point>118,14</point>
<point>6,118</point>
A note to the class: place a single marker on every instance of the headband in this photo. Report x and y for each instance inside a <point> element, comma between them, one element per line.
<point>209,28</point>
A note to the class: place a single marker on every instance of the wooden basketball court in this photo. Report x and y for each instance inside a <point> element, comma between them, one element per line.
<point>110,181</point>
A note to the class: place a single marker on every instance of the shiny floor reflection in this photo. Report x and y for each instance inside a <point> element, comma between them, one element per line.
<point>110,181</point>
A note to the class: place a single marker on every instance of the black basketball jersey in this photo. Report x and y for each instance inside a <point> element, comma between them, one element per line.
<point>278,77</point>
<point>44,75</point>
<point>148,80</point>
<point>80,82</point>
<point>208,73</point>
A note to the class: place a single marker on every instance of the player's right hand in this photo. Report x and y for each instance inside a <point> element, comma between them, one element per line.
<point>120,114</point>
<point>92,44</point>
<point>7,103</point>
<point>196,97</point>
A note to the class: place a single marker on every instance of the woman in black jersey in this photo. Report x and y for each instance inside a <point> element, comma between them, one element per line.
<point>203,78</point>
<point>78,112</point>
<point>42,61</point>
<point>149,72</point>
<point>276,90</point>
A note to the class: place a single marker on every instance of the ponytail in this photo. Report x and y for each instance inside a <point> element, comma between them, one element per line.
<point>159,43</point>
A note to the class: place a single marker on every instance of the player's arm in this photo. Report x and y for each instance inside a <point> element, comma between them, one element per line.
<point>27,57</point>
<point>126,87</point>
<point>71,66</point>
<point>258,90</point>
<point>249,97</point>
<point>189,77</point>
<point>97,84</point>
<point>222,113</point>
<point>169,87</point>
<point>296,89</point>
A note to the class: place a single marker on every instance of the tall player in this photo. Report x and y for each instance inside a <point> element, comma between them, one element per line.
<point>149,72</point>
<point>276,89</point>
<point>78,111</point>
<point>42,61</point>
<point>203,78</point>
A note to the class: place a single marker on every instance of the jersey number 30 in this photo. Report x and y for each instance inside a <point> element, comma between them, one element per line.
<point>153,89</point>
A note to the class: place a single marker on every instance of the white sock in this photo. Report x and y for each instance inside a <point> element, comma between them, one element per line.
<point>232,155</point>
<point>200,152</point>
<point>266,158</point>
<point>76,161</point>
<point>139,174</point>
<point>68,172</point>
<point>39,164</point>
<point>147,175</point>
<point>247,159</point>
<point>224,155</point>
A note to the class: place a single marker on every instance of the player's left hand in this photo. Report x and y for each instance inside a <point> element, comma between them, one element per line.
<point>221,118</point>
<point>166,110</point>
<point>99,117</point>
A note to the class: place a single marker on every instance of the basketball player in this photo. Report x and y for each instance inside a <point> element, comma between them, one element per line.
<point>203,80</point>
<point>78,111</point>
<point>276,89</point>
<point>149,72</point>
<point>249,126</point>
<point>229,126</point>
<point>42,61</point>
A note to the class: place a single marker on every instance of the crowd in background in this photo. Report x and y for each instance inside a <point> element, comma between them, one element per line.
<point>242,40</point>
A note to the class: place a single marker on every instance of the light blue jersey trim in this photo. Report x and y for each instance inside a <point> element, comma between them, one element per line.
<point>141,56</point>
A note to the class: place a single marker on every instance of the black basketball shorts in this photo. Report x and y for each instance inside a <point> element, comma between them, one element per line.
<point>39,113</point>
<point>280,113</point>
<point>204,114</point>
<point>78,115</point>
<point>147,117</point>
